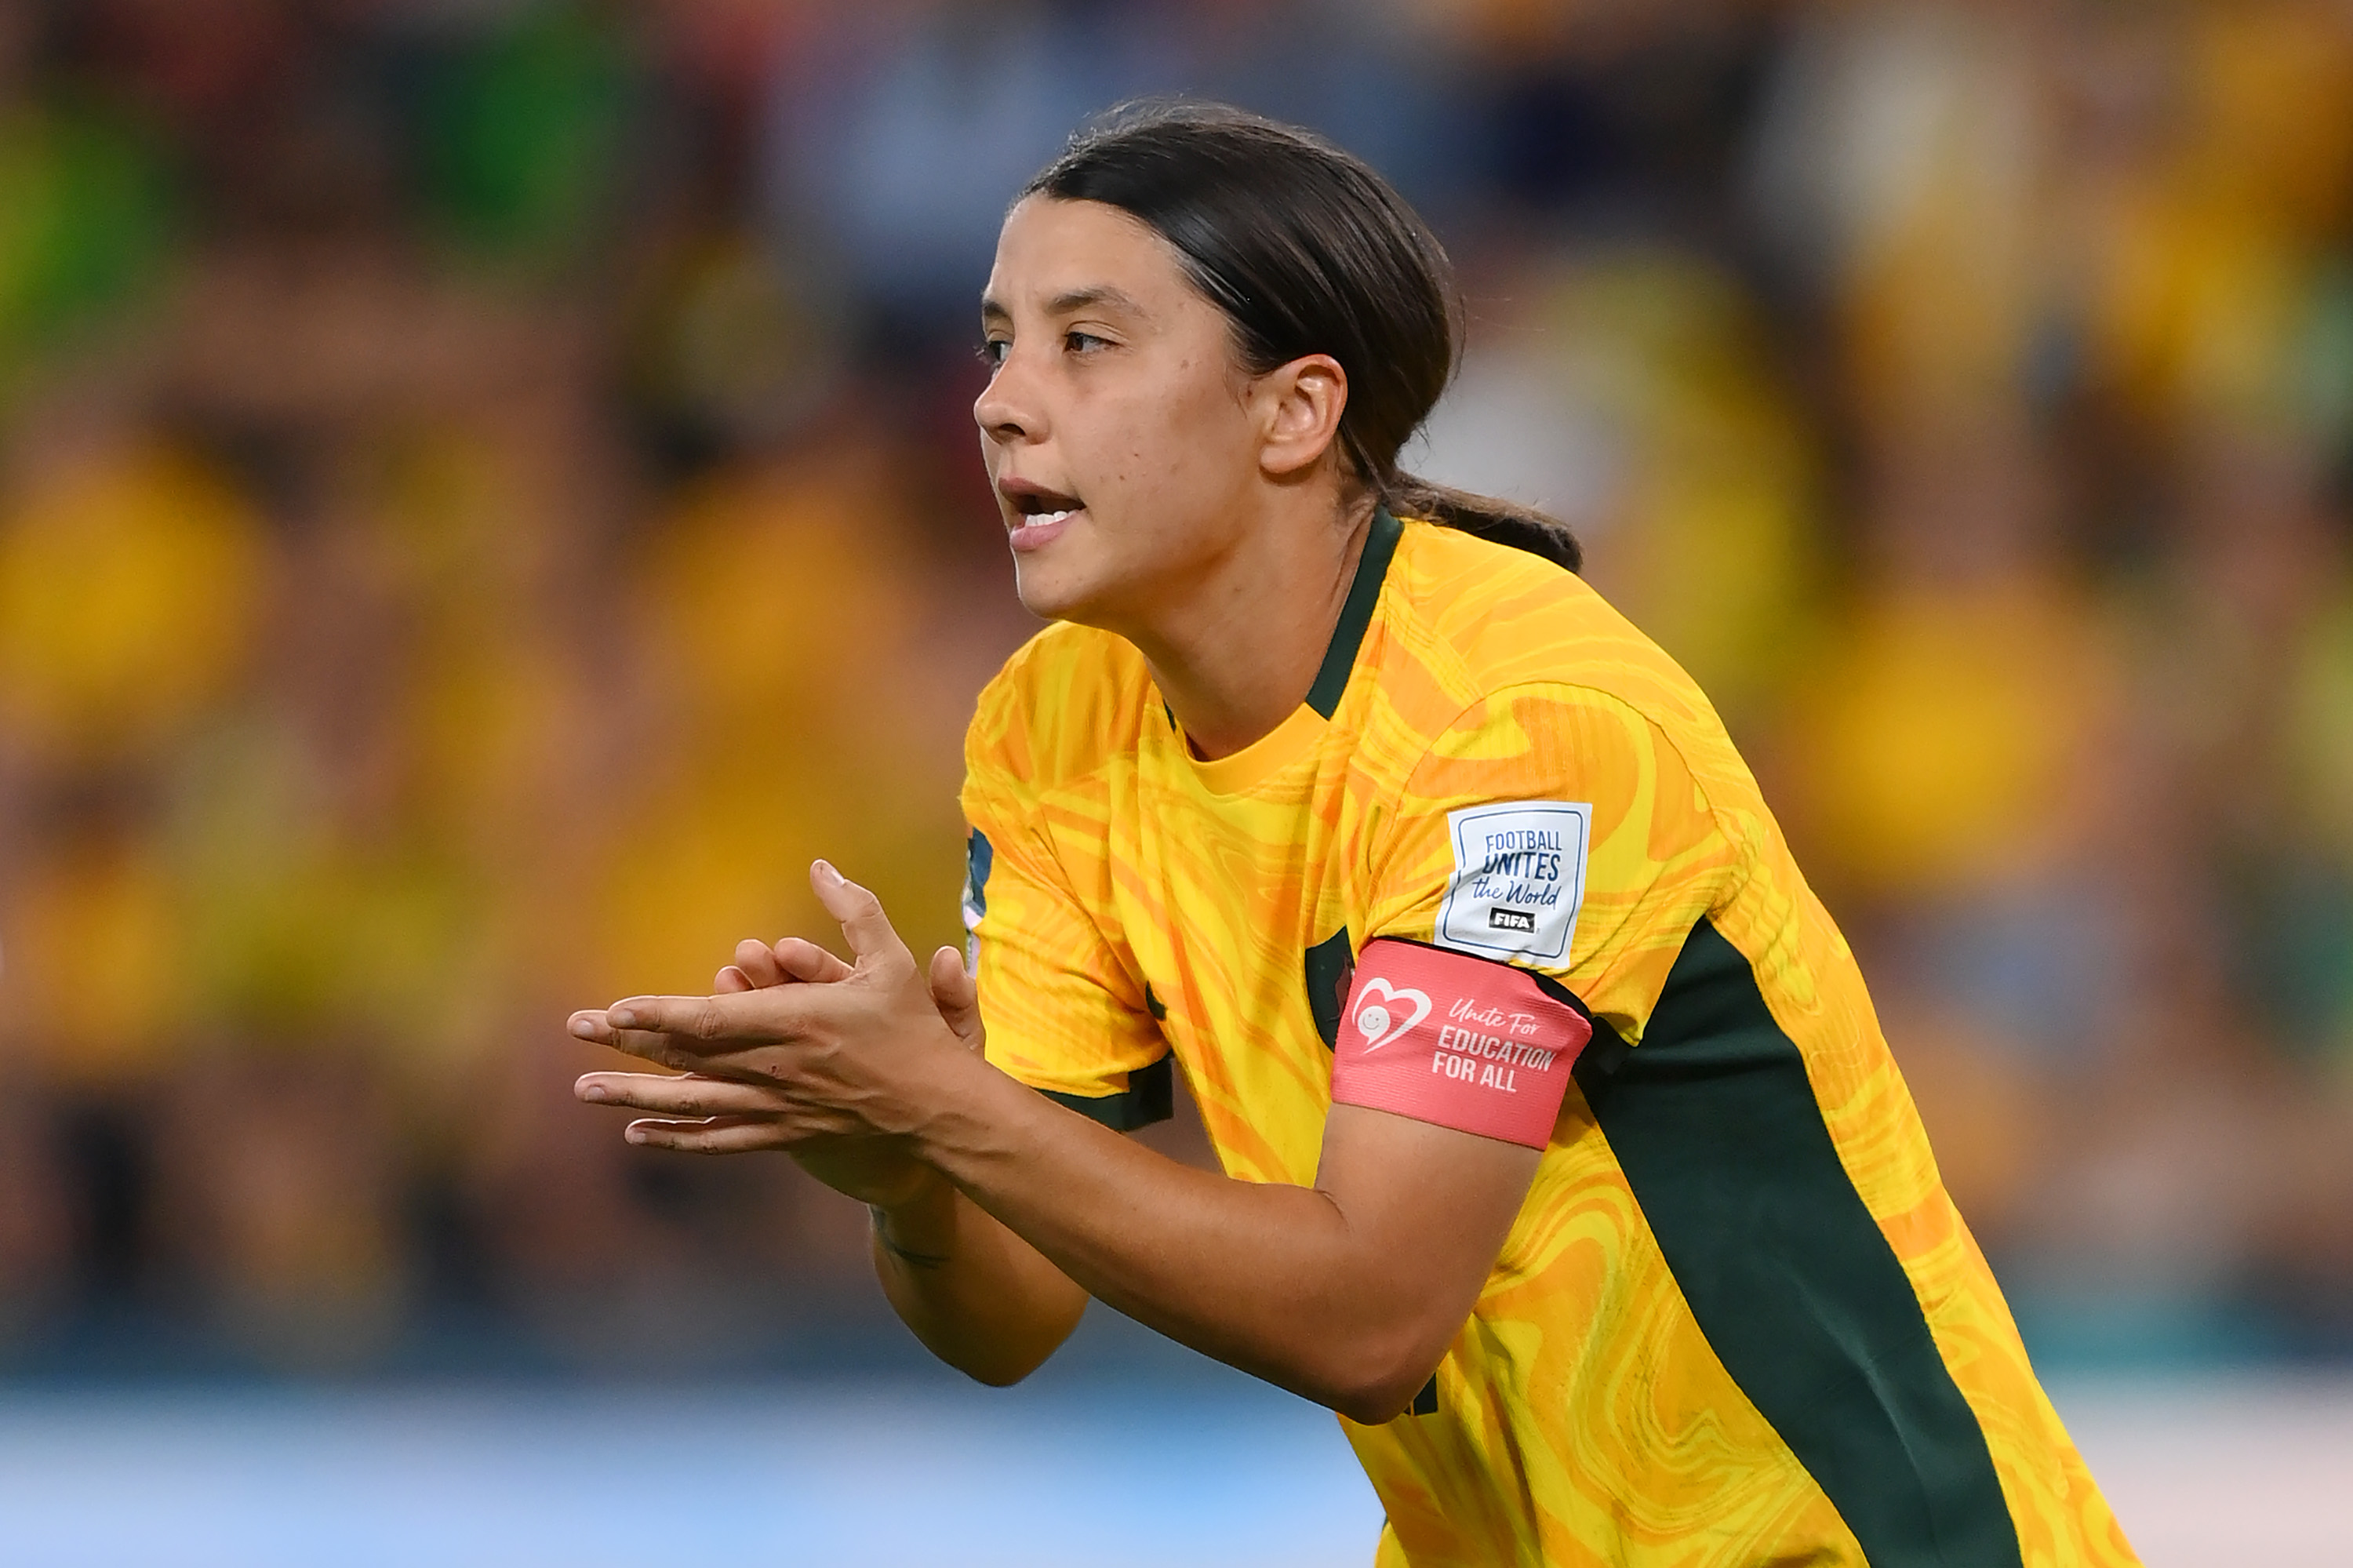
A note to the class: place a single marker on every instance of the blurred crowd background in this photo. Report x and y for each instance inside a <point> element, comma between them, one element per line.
<point>487,493</point>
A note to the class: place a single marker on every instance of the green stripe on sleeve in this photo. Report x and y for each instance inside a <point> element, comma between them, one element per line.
<point>1150,1096</point>
<point>1790,1279</point>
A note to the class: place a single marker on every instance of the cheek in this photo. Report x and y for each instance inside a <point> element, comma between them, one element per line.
<point>1126,449</point>
<point>1201,400</point>
<point>1186,434</point>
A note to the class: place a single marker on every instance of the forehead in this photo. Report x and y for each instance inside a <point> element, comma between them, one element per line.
<point>1050,250</point>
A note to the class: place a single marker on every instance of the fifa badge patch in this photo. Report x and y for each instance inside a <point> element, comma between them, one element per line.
<point>1519,876</point>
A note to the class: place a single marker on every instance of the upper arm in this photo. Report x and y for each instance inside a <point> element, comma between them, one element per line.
<point>1446,1081</point>
<point>1428,1208</point>
<point>1546,847</point>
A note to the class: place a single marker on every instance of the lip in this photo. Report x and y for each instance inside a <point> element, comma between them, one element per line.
<point>1027,534</point>
<point>1026,501</point>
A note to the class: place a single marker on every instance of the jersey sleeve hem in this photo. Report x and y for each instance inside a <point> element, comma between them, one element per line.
<point>1150,1098</point>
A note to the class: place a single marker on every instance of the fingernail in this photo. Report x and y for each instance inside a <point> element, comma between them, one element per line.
<point>634,1135</point>
<point>593,1092</point>
<point>585,1027</point>
<point>827,875</point>
<point>622,1019</point>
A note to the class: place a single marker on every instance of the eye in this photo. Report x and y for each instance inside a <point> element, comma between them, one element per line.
<point>992,350</point>
<point>1084,341</point>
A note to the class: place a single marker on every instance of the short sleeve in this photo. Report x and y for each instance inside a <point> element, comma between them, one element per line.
<point>1543,863</point>
<point>1556,829</point>
<point>1063,1014</point>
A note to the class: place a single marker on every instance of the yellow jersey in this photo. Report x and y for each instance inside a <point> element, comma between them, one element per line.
<point>1737,1319</point>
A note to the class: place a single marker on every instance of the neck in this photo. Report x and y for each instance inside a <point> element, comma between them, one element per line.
<point>1236,656</point>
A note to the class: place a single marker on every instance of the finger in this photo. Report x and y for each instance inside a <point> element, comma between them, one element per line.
<point>805,961</point>
<point>955,995</point>
<point>594,1026</point>
<point>685,1054</point>
<point>758,962</point>
<point>862,919</point>
<point>685,1095</point>
<point>731,980</point>
<point>696,1023</point>
<point>721,1135</point>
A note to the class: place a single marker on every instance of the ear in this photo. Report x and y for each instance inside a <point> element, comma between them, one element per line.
<point>1299,407</point>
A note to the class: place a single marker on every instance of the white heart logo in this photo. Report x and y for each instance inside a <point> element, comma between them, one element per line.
<point>1376,1024</point>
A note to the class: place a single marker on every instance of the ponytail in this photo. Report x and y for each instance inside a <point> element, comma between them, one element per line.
<point>1485,517</point>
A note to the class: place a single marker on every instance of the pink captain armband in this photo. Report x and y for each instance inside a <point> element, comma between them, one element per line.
<point>1465,1043</point>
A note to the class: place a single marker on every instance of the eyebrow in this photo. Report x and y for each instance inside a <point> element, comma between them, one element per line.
<point>1071,301</point>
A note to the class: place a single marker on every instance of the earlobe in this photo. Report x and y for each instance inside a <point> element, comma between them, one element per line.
<point>1307,397</point>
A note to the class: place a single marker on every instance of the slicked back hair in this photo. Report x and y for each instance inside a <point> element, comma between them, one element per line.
<point>1307,250</point>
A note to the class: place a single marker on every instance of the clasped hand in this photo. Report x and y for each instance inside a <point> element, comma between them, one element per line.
<point>840,1064</point>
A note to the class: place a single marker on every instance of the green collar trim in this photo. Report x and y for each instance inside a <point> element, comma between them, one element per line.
<point>1357,614</point>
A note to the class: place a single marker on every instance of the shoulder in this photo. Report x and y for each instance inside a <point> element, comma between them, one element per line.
<point>1502,672</point>
<point>1466,621</point>
<point>1064,703</point>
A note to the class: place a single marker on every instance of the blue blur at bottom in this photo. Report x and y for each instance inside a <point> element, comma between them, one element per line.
<point>1126,1452</point>
<point>768,1475</point>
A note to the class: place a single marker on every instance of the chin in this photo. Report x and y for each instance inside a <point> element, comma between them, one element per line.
<point>1049,595</point>
<point>1074,579</point>
<point>1056,589</point>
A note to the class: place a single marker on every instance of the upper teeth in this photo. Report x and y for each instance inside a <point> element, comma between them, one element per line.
<point>1049,516</point>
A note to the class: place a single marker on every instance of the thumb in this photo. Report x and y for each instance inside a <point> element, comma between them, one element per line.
<point>954,993</point>
<point>872,939</point>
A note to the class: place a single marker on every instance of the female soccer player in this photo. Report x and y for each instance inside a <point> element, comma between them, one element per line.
<point>1563,1155</point>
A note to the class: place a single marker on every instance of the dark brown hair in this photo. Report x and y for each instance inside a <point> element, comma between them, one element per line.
<point>1307,250</point>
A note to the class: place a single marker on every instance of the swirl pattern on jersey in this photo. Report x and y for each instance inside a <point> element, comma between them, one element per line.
<point>1641,1381</point>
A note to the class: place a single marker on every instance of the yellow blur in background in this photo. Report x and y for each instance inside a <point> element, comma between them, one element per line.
<point>487,494</point>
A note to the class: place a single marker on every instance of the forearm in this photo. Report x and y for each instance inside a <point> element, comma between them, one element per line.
<point>1269,1277</point>
<point>1347,1291</point>
<point>977,1296</point>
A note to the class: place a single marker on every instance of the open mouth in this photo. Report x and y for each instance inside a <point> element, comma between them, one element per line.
<point>1033,505</point>
<point>1039,514</point>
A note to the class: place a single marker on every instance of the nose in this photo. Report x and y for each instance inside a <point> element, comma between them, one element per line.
<point>1006,409</point>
